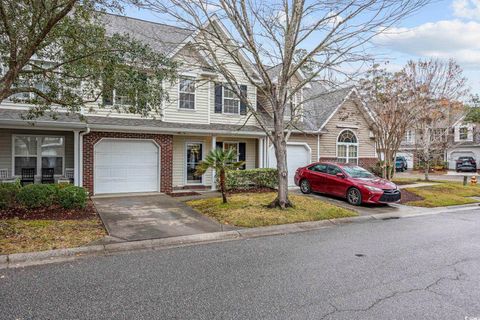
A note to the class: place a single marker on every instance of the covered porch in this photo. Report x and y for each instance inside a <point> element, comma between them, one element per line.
<point>40,154</point>
<point>190,150</point>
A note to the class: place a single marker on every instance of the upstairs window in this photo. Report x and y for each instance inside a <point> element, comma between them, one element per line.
<point>186,94</point>
<point>231,103</point>
<point>463,133</point>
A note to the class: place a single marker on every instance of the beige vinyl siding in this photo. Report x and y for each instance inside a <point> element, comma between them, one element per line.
<point>179,156</point>
<point>199,114</point>
<point>310,139</point>
<point>350,117</point>
<point>6,161</point>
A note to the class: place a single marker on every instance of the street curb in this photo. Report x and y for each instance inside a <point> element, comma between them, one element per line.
<point>17,260</point>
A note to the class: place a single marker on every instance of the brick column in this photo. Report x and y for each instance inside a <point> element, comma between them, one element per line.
<point>165,143</point>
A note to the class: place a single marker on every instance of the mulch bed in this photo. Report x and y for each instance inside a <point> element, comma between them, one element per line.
<point>408,196</point>
<point>183,194</point>
<point>54,212</point>
<point>253,190</point>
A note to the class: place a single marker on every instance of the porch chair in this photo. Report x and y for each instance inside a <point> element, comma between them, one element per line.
<point>28,176</point>
<point>47,175</point>
<point>69,174</point>
<point>3,174</point>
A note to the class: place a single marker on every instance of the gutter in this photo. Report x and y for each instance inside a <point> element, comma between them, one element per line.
<point>56,124</point>
<point>174,130</point>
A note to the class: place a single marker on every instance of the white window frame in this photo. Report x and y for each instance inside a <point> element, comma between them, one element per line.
<point>185,171</point>
<point>460,133</point>
<point>39,152</point>
<point>348,145</point>
<point>409,136</point>
<point>235,98</point>
<point>237,143</point>
<point>186,92</point>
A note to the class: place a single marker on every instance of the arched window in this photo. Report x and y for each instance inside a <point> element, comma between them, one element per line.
<point>347,147</point>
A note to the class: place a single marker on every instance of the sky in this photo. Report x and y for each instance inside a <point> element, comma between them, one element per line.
<point>443,29</point>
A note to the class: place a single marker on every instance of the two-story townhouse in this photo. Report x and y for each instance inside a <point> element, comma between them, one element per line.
<point>112,152</point>
<point>108,152</point>
<point>465,142</point>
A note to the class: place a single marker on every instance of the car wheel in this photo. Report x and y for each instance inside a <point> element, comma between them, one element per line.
<point>354,196</point>
<point>305,186</point>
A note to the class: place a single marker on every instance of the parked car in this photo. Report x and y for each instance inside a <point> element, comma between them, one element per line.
<point>466,164</point>
<point>401,164</point>
<point>352,182</point>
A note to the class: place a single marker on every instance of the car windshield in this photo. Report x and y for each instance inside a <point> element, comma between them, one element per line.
<point>357,172</point>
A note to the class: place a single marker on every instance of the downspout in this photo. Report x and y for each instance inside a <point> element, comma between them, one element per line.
<point>80,144</point>
<point>318,147</point>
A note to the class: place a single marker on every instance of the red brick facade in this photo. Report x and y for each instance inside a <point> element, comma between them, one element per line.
<point>362,162</point>
<point>166,155</point>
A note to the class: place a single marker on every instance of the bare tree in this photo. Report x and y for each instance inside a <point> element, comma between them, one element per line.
<point>269,33</point>
<point>390,101</point>
<point>437,88</point>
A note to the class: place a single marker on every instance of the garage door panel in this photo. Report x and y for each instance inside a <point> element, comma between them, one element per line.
<point>297,156</point>
<point>126,166</point>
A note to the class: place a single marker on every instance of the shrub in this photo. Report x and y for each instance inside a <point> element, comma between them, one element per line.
<point>251,179</point>
<point>37,195</point>
<point>71,197</point>
<point>8,194</point>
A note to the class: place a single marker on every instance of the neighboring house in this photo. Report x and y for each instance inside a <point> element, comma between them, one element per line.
<point>466,143</point>
<point>110,152</point>
<point>333,126</point>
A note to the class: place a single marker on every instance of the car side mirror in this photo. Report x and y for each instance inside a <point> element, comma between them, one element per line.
<point>340,175</point>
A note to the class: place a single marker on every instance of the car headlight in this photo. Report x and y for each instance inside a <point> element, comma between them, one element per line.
<point>373,189</point>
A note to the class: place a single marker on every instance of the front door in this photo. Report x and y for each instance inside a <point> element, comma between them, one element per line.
<point>194,156</point>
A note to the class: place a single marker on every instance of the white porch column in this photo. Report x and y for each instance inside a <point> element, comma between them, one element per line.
<point>76,158</point>
<point>260,153</point>
<point>214,145</point>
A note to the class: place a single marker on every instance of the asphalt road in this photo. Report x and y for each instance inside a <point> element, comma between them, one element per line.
<point>415,268</point>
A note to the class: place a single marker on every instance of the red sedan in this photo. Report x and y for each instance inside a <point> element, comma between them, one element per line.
<point>352,182</point>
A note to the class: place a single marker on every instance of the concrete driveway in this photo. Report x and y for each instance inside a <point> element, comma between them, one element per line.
<point>151,217</point>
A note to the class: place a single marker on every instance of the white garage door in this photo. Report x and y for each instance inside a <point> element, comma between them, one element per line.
<point>457,154</point>
<point>297,156</point>
<point>408,156</point>
<point>126,166</point>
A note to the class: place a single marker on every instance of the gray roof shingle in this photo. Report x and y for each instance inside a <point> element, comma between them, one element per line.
<point>161,37</point>
<point>66,120</point>
<point>320,104</point>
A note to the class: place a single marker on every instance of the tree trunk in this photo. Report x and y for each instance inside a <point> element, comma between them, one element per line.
<point>222,186</point>
<point>281,200</point>
<point>427,170</point>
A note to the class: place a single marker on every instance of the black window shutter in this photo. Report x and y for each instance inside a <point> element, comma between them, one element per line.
<point>218,98</point>
<point>219,145</point>
<point>242,153</point>
<point>243,101</point>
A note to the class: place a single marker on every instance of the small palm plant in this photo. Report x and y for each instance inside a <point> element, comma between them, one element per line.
<point>220,160</point>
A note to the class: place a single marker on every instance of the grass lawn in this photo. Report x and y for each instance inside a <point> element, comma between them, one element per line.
<point>249,210</point>
<point>444,194</point>
<point>18,235</point>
